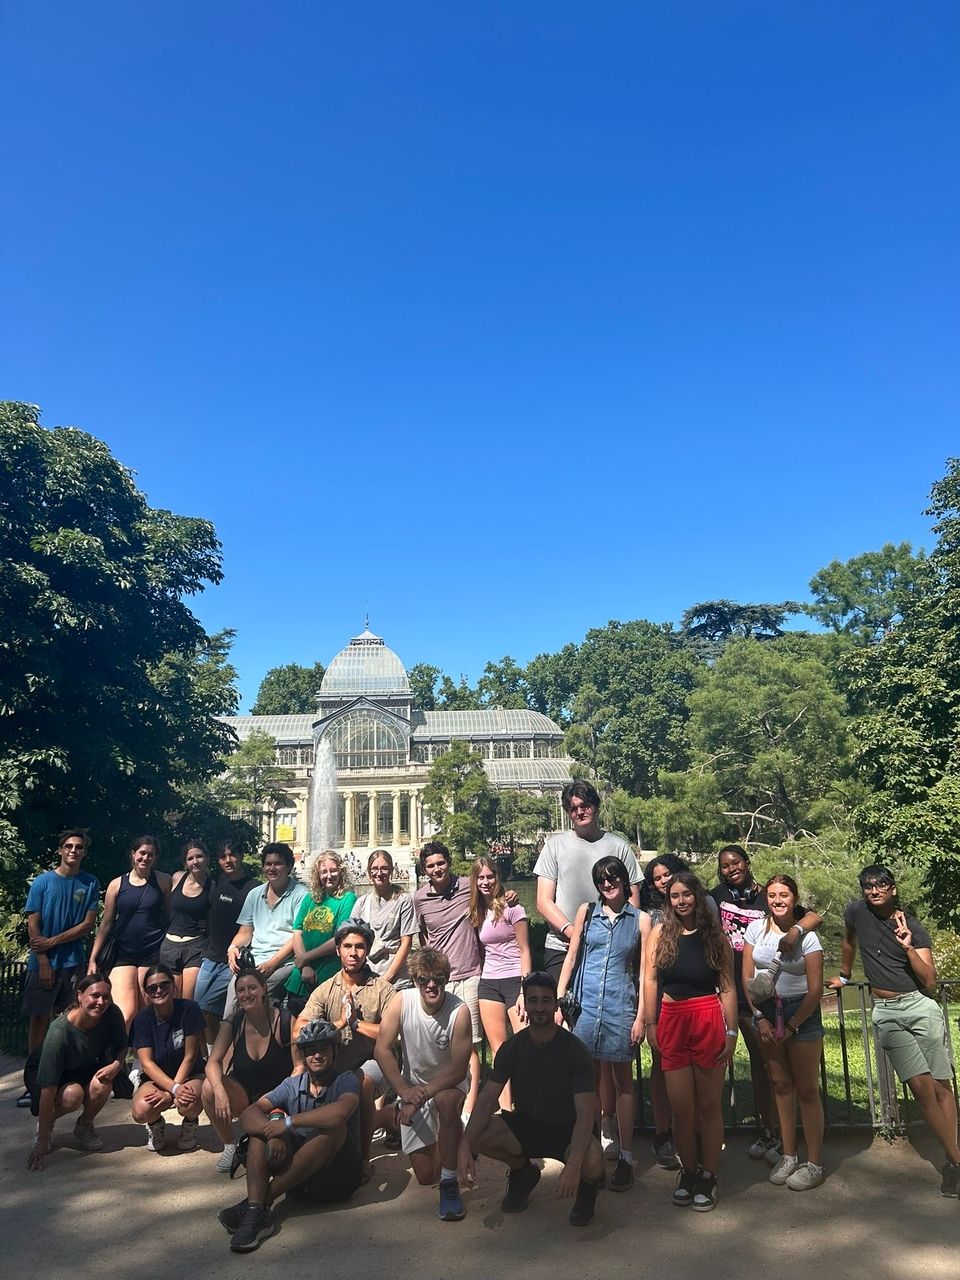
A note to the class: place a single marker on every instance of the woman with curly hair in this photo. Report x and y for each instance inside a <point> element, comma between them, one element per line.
<point>325,907</point>
<point>689,967</point>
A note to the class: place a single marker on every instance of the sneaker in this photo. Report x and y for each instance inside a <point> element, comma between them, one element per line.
<point>256,1225</point>
<point>686,1181</point>
<point>135,1076</point>
<point>758,1149</point>
<point>156,1134</point>
<point>774,1154</point>
<point>805,1178</point>
<point>950,1186</point>
<point>585,1203</point>
<point>187,1140</point>
<point>25,1099</point>
<point>782,1170</point>
<point>451,1202</point>
<point>393,1141</point>
<point>622,1177</point>
<point>609,1140</point>
<point>233,1216</point>
<point>225,1159</point>
<point>520,1182</point>
<point>665,1152</point>
<point>705,1193</point>
<point>87,1137</point>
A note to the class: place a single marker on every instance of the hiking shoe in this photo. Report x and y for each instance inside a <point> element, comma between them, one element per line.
<point>705,1193</point>
<point>774,1154</point>
<point>763,1143</point>
<point>87,1137</point>
<point>256,1225</point>
<point>686,1182</point>
<point>665,1153</point>
<point>233,1216</point>
<point>950,1186</point>
<point>25,1099</point>
<point>805,1178</point>
<point>225,1159</point>
<point>585,1203</point>
<point>451,1202</point>
<point>187,1139</point>
<point>156,1134</point>
<point>622,1177</point>
<point>783,1169</point>
<point>520,1182</point>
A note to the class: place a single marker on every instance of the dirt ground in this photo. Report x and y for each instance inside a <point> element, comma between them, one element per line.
<point>126,1212</point>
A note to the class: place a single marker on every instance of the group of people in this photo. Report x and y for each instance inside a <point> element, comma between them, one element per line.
<point>304,1022</point>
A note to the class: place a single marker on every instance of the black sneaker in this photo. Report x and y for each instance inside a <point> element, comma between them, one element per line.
<point>622,1177</point>
<point>520,1182</point>
<point>256,1225</point>
<point>705,1193</point>
<point>686,1182</point>
<point>233,1216</point>
<point>393,1141</point>
<point>585,1203</point>
<point>25,1099</point>
<point>950,1186</point>
<point>665,1153</point>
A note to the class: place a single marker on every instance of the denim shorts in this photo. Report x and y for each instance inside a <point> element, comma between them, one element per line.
<point>811,1028</point>
<point>213,983</point>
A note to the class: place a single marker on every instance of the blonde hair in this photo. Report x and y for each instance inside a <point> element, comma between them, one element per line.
<point>478,908</point>
<point>318,890</point>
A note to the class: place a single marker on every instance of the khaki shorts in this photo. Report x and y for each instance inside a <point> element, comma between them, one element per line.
<point>468,989</point>
<point>913,1035</point>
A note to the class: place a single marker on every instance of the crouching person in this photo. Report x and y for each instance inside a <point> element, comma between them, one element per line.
<point>303,1140</point>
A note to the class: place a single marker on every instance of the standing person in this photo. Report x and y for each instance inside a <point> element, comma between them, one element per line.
<point>610,1023</point>
<point>504,934</point>
<point>390,913</point>
<point>790,1029</point>
<point>61,909</point>
<point>432,1028</point>
<point>551,1076</point>
<point>265,922</point>
<point>186,937</point>
<point>740,901</point>
<point>564,883</point>
<point>82,1052</point>
<point>327,905</point>
<point>227,898</point>
<point>135,912</point>
<point>687,963</point>
<point>168,1039</point>
<point>257,1042</point>
<point>898,962</point>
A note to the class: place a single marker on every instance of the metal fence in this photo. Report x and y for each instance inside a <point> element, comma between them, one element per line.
<point>13,1026</point>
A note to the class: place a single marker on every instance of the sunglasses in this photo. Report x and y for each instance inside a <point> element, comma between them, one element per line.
<point>608,880</point>
<point>156,988</point>
<point>423,983</point>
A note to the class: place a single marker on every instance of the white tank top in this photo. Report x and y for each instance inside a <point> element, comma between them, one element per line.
<point>427,1038</point>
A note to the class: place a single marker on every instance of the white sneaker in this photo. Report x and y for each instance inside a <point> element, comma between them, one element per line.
<point>156,1134</point>
<point>805,1178</point>
<point>609,1140</point>
<point>763,1143</point>
<point>783,1169</point>
<point>187,1139</point>
<point>225,1161</point>
<point>135,1076</point>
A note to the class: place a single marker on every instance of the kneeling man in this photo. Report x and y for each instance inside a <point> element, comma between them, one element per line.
<point>303,1140</point>
<point>551,1078</point>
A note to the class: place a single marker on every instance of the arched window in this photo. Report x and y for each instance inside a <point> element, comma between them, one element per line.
<point>365,740</point>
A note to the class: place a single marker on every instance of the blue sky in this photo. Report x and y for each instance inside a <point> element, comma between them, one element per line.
<point>498,320</point>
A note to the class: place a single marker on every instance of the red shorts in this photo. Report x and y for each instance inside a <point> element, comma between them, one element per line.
<point>691,1031</point>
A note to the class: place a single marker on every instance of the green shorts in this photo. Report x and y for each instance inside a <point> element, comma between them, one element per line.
<point>913,1035</point>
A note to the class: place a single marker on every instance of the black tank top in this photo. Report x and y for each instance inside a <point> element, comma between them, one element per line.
<point>690,975</point>
<point>188,916</point>
<point>258,1076</point>
<point>145,911</point>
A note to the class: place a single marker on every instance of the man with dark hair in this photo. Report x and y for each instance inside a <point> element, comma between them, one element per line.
<point>265,922</point>
<point>61,909</point>
<point>432,1027</point>
<point>898,963</point>
<point>550,1074</point>
<point>227,896</point>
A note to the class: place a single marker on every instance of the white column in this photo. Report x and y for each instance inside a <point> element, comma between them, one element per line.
<point>348,820</point>
<point>396,818</point>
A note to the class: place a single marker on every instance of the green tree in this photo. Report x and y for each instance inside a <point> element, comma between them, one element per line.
<point>459,799</point>
<point>457,697</point>
<point>709,626</point>
<point>865,597</point>
<point>288,691</point>
<point>423,683</point>
<point>252,782</point>
<point>522,817</point>
<point>502,684</point>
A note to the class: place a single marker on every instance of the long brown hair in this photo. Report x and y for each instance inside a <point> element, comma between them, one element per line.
<point>715,945</point>
<point>788,882</point>
<point>478,908</point>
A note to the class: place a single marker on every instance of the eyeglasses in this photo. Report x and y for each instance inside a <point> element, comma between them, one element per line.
<point>875,885</point>
<point>156,988</point>
<point>423,983</point>
<point>580,808</point>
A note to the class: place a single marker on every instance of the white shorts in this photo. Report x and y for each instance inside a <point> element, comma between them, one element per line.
<point>468,989</point>
<point>423,1129</point>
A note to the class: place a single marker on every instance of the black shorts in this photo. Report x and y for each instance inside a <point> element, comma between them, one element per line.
<point>504,991</point>
<point>136,959</point>
<point>553,962</point>
<point>538,1141</point>
<point>41,1002</point>
<point>80,1075</point>
<point>334,1182</point>
<point>178,956</point>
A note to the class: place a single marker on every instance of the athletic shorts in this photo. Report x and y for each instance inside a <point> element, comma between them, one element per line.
<point>538,1141</point>
<point>553,962</point>
<point>370,1070</point>
<point>79,1075</point>
<point>468,990</point>
<point>501,990</point>
<point>41,1002</point>
<point>691,1032</point>
<point>182,955</point>
<point>136,959</point>
<point>213,982</point>
<point>334,1182</point>
<point>912,1033</point>
<point>423,1129</point>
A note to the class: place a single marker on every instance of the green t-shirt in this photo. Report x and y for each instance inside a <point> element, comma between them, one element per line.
<point>68,1049</point>
<point>318,922</point>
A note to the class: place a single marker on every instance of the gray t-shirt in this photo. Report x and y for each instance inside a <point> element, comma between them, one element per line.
<point>885,962</point>
<point>568,859</point>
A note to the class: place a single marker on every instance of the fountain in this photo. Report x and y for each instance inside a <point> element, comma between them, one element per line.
<point>323,806</point>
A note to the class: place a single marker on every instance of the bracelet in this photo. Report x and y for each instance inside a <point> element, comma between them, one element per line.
<point>801,930</point>
<point>176,1086</point>
<point>792,1027</point>
<point>565,927</point>
<point>843,979</point>
<point>288,1121</point>
<point>732,1035</point>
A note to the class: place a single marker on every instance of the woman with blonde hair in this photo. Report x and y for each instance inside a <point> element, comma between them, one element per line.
<point>390,913</point>
<point>326,906</point>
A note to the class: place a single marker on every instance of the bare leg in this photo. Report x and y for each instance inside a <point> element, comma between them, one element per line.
<point>315,1154</point>
<point>681,1090</point>
<point>658,1093</point>
<point>238,1104</point>
<point>425,1164</point>
<point>493,1015</point>
<point>926,1090</point>
<point>125,986</point>
<point>784,1095</point>
<point>607,1093</point>
<point>96,1098</point>
<point>762,1100</point>
<point>474,1079</point>
<point>449,1105</point>
<point>499,1142</point>
<point>622,1073</point>
<point>190,982</point>
<point>709,1088</point>
<point>36,1030</point>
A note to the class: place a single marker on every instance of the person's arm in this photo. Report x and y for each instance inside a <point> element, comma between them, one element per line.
<point>813,964</point>
<point>521,930</point>
<point>650,985</point>
<point>41,1146</point>
<point>214,1071</point>
<point>809,922</point>
<point>413,1096</point>
<point>487,1102</point>
<point>304,957</point>
<point>848,954</point>
<point>277,960</point>
<point>576,939</point>
<point>388,1037</point>
<point>569,1178</point>
<point>360,1026</point>
<point>639,1028</point>
<point>152,1071</point>
<point>106,924</point>
<point>186,1088</point>
<point>399,959</point>
<point>327,1117</point>
<point>547,906</point>
<point>634,898</point>
<point>762,1024</point>
<point>41,944</point>
<point>920,959</point>
<point>728,999</point>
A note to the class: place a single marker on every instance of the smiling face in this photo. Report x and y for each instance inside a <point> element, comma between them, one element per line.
<point>328,873</point>
<point>684,903</point>
<point>158,989</point>
<point>195,861</point>
<point>379,872</point>
<point>250,993</point>
<point>540,1004</point>
<point>143,858</point>
<point>318,1058</point>
<point>432,991</point>
<point>610,886</point>
<point>93,1001</point>
<point>486,881</point>
<point>437,870</point>
<point>72,852</point>
<point>734,869</point>
<point>662,875</point>
<point>781,902</point>
<point>275,870</point>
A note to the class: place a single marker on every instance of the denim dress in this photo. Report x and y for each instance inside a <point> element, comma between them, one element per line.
<point>608,992</point>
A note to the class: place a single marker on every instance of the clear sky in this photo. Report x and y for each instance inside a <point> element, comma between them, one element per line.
<point>498,319</point>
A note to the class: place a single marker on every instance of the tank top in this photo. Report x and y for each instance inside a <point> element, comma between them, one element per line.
<point>188,916</point>
<point>690,975</point>
<point>427,1038</point>
<point>259,1075</point>
<point>143,932</point>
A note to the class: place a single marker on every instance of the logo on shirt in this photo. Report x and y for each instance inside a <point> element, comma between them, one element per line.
<point>319,920</point>
<point>177,1038</point>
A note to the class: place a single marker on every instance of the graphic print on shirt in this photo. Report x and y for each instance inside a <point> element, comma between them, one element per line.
<point>319,920</point>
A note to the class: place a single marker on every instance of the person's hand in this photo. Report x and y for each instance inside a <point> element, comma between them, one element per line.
<point>106,1074</point>
<point>466,1165</point>
<point>188,1094</point>
<point>221,1104</point>
<point>511,897</point>
<point>652,1036</point>
<point>40,944</point>
<point>789,940</point>
<point>835,984</point>
<point>406,1113</point>
<point>278,1153</point>
<point>348,1009</point>
<point>521,1009</point>
<point>568,1182</point>
<point>36,1157</point>
<point>92,966</point>
<point>274,1128</point>
<point>156,1097</point>
<point>901,930</point>
<point>637,1031</point>
<point>267,967</point>
<point>46,973</point>
<point>728,1050</point>
<point>415,1095</point>
<point>765,1030</point>
<point>308,975</point>
<point>233,958</point>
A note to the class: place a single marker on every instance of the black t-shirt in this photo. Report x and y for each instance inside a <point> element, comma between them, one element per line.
<point>168,1039</point>
<point>544,1078</point>
<point>226,899</point>
<point>885,962</point>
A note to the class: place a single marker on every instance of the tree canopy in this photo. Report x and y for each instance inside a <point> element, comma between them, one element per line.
<point>289,690</point>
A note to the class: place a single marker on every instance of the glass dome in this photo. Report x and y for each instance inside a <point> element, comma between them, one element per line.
<point>366,665</point>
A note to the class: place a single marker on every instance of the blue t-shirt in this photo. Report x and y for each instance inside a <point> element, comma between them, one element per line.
<point>294,1096</point>
<point>168,1040</point>
<point>62,903</point>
